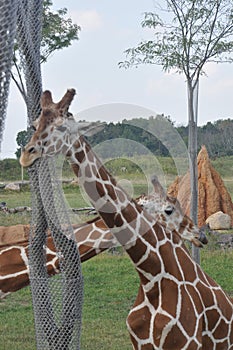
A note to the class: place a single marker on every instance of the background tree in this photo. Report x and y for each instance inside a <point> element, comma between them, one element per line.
<point>191,34</point>
<point>22,139</point>
<point>58,32</point>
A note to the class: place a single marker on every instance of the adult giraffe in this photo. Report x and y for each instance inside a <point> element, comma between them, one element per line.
<point>92,237</point>
<point>178,306</point>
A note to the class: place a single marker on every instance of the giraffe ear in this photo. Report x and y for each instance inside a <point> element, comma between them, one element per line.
<point>61,128</point>
<point>87,128</point>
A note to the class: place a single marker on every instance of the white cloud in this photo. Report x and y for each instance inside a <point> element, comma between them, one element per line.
<point>89,20</point>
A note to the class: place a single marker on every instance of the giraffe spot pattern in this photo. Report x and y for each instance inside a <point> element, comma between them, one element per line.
<point>152,326</point>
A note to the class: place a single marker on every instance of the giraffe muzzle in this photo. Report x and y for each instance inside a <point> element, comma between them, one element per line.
<point>202,237</point>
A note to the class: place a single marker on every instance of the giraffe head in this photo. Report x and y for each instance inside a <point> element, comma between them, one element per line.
<point>170,214</point>
<point>50,137</point>
<point>54,130</point>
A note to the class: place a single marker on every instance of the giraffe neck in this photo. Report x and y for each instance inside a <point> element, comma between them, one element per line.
<point>170,282</point>
<point>133,227</point>
<point>92,238</point>
<point>126,220</point>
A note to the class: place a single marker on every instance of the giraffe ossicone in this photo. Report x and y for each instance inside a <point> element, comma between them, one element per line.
<point>178,306</point>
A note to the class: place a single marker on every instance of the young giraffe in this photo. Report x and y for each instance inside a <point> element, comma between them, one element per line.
<point>92,238</point>
<point>178,306</point>
<point>169,208</point>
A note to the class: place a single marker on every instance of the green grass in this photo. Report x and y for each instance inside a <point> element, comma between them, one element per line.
<point>14,198</point>
<point>111,285</point>
<point>224,166</point>
<point>75,198</point>
<point>110,281</point>
<point>110,288</point>
<point>16,322</point>
<point>219,265</point>
<point>229,185</point>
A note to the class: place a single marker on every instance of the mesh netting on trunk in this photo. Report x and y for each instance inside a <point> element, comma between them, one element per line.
<point>8,11</point>
<point>29,29</point>
<point>57,302</point>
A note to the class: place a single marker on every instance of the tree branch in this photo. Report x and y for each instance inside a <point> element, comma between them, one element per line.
<point>19,84</point>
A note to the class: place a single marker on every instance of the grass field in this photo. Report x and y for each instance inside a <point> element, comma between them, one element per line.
<point>110,288</point>
<point>110,281</point>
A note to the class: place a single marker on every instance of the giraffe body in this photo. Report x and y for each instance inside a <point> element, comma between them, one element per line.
<point>92,238</point>
<point>178,306</point>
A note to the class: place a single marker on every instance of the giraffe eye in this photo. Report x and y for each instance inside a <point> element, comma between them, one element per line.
<point>169,210</point>
<point>45,143</point>
<point>31,150</point>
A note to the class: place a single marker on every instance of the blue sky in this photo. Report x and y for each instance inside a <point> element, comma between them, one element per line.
<point>91,67</point>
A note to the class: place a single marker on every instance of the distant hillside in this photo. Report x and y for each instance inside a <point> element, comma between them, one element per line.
<point>158,135</point>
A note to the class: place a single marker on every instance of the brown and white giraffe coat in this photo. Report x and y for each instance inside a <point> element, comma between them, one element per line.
<point>92,238</point>
<point>178,306</point>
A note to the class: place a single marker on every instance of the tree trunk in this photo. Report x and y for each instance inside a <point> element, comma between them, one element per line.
<point>192,151</point>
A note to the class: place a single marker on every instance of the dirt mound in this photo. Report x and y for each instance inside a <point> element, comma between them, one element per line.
<point>212,193</point>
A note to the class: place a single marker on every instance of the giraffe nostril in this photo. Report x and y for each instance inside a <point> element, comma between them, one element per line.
<point>31,150</point>
<point>202,237</point>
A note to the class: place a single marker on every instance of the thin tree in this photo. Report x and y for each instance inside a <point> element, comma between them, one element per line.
<point>191,34</point>
<point>58,32</point>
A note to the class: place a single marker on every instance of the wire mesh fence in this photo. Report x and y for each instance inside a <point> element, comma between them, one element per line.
<point>57,302</point>
<point>8,16</point>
